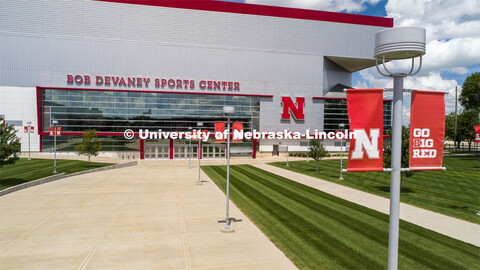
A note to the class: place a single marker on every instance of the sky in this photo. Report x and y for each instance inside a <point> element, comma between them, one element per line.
<point>453,40</point>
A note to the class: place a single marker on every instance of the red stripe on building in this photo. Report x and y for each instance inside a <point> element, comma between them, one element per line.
<point>263,10</point>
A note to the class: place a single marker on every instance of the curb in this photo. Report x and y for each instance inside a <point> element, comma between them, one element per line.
<point>62,176</point>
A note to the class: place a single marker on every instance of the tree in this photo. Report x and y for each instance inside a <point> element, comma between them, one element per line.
<point>90,145</point>
<point>387,154</point>
<point>9,143</point>
<point>450,126</point>
<point>465,126</point>
<point>317,151</point>
<point>470,96</point>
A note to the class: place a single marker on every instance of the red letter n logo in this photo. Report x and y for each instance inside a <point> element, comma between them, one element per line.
<point>296,110</point>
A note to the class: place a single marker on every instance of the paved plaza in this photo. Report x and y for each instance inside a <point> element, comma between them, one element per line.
<point>150,216</point>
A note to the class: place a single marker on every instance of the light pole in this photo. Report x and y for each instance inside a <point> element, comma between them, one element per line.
<point>308,145</point>
<point>396,44</point>
<point>228,111</point>
<point>29,124</point>
<point>199,124</point>
<point>54,123</point>
<point>287,150</point>
<point>190,149</point>
<point>342,126</point>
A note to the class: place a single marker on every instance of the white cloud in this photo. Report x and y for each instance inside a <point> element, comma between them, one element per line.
<point>430,81</point>
<point>453,42</point>
<point>453,39</point>
<point>327,5</point>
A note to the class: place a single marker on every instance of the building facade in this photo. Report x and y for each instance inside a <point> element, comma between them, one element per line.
<point>117,65</point>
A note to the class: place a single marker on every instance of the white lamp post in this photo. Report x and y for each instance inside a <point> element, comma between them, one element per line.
<point>29,124</point>
<point>190,149</point>
<point>308,144</point>
<point>55,123</point>
<point>199,182</point>
<point>287,150</point>
<point>396,44</point>
<point>228,111</point>
<point>341,126</point>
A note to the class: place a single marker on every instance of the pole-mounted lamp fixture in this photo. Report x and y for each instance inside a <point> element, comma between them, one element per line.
<point>228,111</point>
<point>55,124</point>
<point>397,44</point>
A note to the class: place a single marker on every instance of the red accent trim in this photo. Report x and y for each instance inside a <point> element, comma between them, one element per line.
<point>39,109</point>
<point>39,115</point>
<point>142,148</point>
<point>254,149</point>
<point>200,149</point>
<point>147,91</point>
<point>262,10</point>
<point>171,149</point>
<point>342,98</point>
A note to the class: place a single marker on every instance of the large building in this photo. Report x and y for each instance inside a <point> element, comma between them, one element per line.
<point>117,65</point>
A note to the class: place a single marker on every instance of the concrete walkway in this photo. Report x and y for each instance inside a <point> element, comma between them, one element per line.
<point>455,228</point>
<point>150,216</point>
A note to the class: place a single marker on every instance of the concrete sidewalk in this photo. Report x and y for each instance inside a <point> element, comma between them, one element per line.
<point>455,228</point>
<point>144,217</point>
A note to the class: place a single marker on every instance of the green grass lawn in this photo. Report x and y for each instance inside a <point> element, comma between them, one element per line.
<point>454,192</point>
<point>25,170</point>
<point>319,231</point>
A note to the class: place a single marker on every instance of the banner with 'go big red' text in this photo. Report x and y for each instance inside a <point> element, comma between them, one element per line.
<point>365,115</point>
<point>427,130</point>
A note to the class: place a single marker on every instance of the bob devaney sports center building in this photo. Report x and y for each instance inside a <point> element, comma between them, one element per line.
<point>147,64</point>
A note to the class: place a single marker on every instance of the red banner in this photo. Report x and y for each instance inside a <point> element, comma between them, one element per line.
<point>238,126</point>
<point>477,134</point>
<point>51,131</point>
<point>365,114</point>
<point>219,128</point>
<point>427,130</point>
<point>25,129</point>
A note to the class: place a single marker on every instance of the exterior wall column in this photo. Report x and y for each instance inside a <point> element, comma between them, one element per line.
<point>171,149</point>
<point>254,149</point>
<point>142,149</point>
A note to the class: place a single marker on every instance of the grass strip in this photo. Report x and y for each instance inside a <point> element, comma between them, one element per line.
<point>454,192</point>
<point>25,170</point>
<point>319,231</point>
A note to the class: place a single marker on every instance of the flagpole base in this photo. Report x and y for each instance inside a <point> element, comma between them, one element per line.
<point>227,230</point>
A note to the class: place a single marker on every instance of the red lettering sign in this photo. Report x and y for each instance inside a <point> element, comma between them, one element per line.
<point>427,130</point>
<point>365,114</point>
<point>290,107</point>
<point>143,82</point>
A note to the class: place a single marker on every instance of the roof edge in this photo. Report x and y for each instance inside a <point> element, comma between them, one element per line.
<point>263,10</point>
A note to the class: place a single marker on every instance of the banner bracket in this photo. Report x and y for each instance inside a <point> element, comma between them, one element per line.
<point>401,169</point>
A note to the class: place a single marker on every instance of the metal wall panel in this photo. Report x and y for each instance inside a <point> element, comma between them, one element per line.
<point>43,41</point>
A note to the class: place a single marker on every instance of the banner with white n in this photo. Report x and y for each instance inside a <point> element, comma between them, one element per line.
<point>365,115</point>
